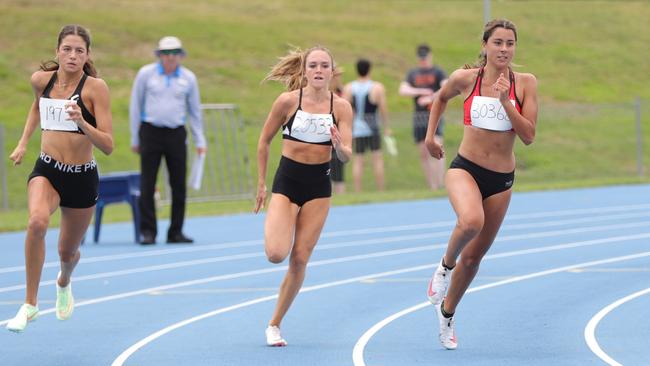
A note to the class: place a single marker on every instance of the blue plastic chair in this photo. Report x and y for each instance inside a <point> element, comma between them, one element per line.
<point>118,187</point>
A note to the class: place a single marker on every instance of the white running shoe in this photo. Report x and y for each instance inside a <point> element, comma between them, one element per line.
<point>64,300</point>
<point>447,333</point>
<point>273,337</point>
<point>27,313</point>
<point>438,284</point>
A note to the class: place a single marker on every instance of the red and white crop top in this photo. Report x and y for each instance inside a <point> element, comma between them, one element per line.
<point>488,112</point>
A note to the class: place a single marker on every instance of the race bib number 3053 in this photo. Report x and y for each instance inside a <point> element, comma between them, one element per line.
<point>312,127</point>
<point>488,113</point>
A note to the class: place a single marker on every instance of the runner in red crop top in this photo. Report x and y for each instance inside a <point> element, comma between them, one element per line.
<point>480,179</point>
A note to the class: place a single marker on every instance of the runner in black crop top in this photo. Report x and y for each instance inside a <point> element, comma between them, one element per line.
<point>84,111</point>
<point>288,126</point>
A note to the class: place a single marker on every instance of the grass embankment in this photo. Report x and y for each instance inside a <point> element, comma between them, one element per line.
<point>588,57</point>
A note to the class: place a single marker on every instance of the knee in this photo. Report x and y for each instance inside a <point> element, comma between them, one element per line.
<point>275,258</point>
<point>298,263</point>
<point>275,255</point>
<point>38,223</point>
<point>470,262</point>
<point>470,225</point>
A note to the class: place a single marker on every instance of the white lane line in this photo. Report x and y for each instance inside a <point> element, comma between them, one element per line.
<point>612,270</point>
<point>234,275</point>
<point>119,361</point>
<point>214,291</point>
<point>359,347</point>
<point>134,348</point>
<point>590,329</point>
<point>542,234</point>
<point>174,265</point>
<point>334,261</point>
<point>332,234</point>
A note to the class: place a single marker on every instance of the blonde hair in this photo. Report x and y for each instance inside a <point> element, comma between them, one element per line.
<point>489,28</point>
<point>290,70</point>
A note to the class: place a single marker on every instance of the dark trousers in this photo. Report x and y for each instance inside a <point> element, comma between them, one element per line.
<point>156,142</point>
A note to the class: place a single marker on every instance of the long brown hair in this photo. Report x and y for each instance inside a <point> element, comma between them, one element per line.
<point>290,70</point>
<point>489,28</point>
<point>77,30</point>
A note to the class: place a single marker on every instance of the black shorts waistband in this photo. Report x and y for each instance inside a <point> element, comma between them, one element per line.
<point>303,172</point>
<point>481,169</point>
<point>68,168</point>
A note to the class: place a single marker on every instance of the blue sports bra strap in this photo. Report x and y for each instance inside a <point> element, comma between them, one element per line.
<point>300,100</point>
<point>331,103</point>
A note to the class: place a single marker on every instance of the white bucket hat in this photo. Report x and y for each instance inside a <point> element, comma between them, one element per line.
<point>169,43</point>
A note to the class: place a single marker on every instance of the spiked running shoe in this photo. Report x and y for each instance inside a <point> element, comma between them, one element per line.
<point>273,337</point>
<point>447,333</point>
<point>64,300</point>
<point>438,284</point>
<point>27,313</point>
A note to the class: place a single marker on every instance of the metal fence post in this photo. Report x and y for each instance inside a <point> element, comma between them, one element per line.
<point>639,138</point>
<point>486,11</point>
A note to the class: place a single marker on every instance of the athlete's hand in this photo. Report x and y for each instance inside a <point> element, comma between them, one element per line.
<point>336,137</point>
<point>74,113</point>
<point>261,198</point>
<point>435,149</point>
<point>18,153</point>
<point>502,86</point>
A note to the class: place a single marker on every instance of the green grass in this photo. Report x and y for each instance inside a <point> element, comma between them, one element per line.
<point>590,59</point>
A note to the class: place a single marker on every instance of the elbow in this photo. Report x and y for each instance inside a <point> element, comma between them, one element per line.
<point>528,139</point>
<point>108,149</point>
<point>262,149</point>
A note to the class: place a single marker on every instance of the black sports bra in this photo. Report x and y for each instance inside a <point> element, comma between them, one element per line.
<point>84,111</point>
<point>310,128</point>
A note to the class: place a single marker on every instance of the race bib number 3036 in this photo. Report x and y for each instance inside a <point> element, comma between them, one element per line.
<point>488,113</point>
